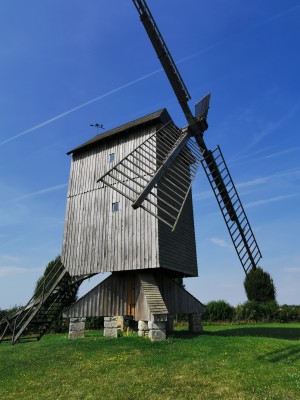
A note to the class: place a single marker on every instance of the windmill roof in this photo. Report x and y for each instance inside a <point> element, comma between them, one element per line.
<point>160,115</point>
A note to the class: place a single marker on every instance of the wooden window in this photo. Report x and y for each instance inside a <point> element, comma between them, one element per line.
<point>116,206</point>
<point>111,157</point>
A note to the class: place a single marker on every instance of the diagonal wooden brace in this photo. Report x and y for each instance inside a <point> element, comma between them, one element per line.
<point>162,170</point>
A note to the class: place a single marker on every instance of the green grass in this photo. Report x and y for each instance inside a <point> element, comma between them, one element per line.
<point>225,362</point>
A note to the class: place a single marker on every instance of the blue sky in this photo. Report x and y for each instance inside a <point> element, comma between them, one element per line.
<point>65,65</point>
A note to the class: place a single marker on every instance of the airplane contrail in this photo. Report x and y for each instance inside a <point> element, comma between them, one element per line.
<point>59,116</point>
<point>48,121</point>
<point>42,191</point>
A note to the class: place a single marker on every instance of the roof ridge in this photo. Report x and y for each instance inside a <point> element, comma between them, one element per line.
<point>161,114</point>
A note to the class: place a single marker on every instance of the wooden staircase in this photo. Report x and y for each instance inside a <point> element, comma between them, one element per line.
<point>38,315</point>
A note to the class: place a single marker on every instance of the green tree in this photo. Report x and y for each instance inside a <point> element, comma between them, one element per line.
<point>259,286</point>
<point>3,314</point>
<point>180,282</point>
<point>52,271</point>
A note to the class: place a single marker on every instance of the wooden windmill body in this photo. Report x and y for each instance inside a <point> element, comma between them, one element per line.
<point>103,233</point>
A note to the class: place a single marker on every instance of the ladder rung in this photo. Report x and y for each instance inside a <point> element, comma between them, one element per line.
<point>246,253</point>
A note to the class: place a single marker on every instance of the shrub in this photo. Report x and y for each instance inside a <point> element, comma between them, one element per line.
<point>9,311</point>
<point>289,313</point>
<point>256,311</point>
<point>3,313</point>
<point>259,286</point>
<point>218,311</point>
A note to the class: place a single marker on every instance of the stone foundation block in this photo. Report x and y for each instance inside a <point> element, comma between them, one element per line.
<point>110,332</point>
<point>157,335</point>
<point>157,330</point>
<point>143,326</point>
<point>157,325</point>
<point>111,324</point>
<point>76,328</point>
<point>109,319</point>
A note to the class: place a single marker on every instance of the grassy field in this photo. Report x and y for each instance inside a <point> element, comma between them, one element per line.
<point>225,362</point>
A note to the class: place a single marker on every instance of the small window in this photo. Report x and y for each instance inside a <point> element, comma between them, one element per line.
<point>116,206</point>
<point>111,157</point>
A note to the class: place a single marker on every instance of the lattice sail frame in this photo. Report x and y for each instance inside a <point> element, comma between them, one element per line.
<point>232,209</point>
<point>134,172</point>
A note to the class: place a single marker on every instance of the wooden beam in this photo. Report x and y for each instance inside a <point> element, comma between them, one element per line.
<point>162,170</point>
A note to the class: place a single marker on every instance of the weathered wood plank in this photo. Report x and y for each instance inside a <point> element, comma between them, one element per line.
<point>96,239</point>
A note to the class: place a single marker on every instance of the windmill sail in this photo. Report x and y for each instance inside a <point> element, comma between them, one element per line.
<point>232,209</point>
<point>201,107</point>
<point>158,174</point>
<point>213,162</point>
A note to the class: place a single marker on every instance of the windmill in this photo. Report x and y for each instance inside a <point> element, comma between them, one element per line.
<point>153,167</point>
<point>129,212</point>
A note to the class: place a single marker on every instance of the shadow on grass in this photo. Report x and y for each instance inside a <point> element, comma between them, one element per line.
<point>266,332</point>
<point>276,333</point>
<point>289,355</point>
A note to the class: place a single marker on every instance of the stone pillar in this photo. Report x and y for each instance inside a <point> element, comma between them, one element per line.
<point>76,328</point>
<point>157,330</point>
<point>170,323</point>
<point>195,325</point>
<point>111,327</point>
<point>143,329</point>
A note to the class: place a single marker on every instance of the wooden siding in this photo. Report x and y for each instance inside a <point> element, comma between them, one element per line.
<point>87,167</point>
<point>109,298</point>
<point>177,299</point>
<point>96,239</point>
<point>155,295</point>
<point>177,249</point>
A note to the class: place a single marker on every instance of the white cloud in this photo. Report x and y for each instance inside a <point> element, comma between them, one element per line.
<point>270,200</point>
<point>203,195</point>
<point>292,269</point>
<point>263,180</point>
<point>249,155</point>
<point>219,242</point>
<point>273,126</point>
<point>7,257</point>
<point>281,152</point>
<point>295,172</point>
<point>6,271</point>
<point>253,182</point>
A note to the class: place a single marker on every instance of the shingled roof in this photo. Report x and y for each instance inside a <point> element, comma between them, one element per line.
<point>160,115</point>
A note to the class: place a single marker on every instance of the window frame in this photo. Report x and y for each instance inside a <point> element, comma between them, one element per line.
<point>111,157</point>
<point>115,207</point>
